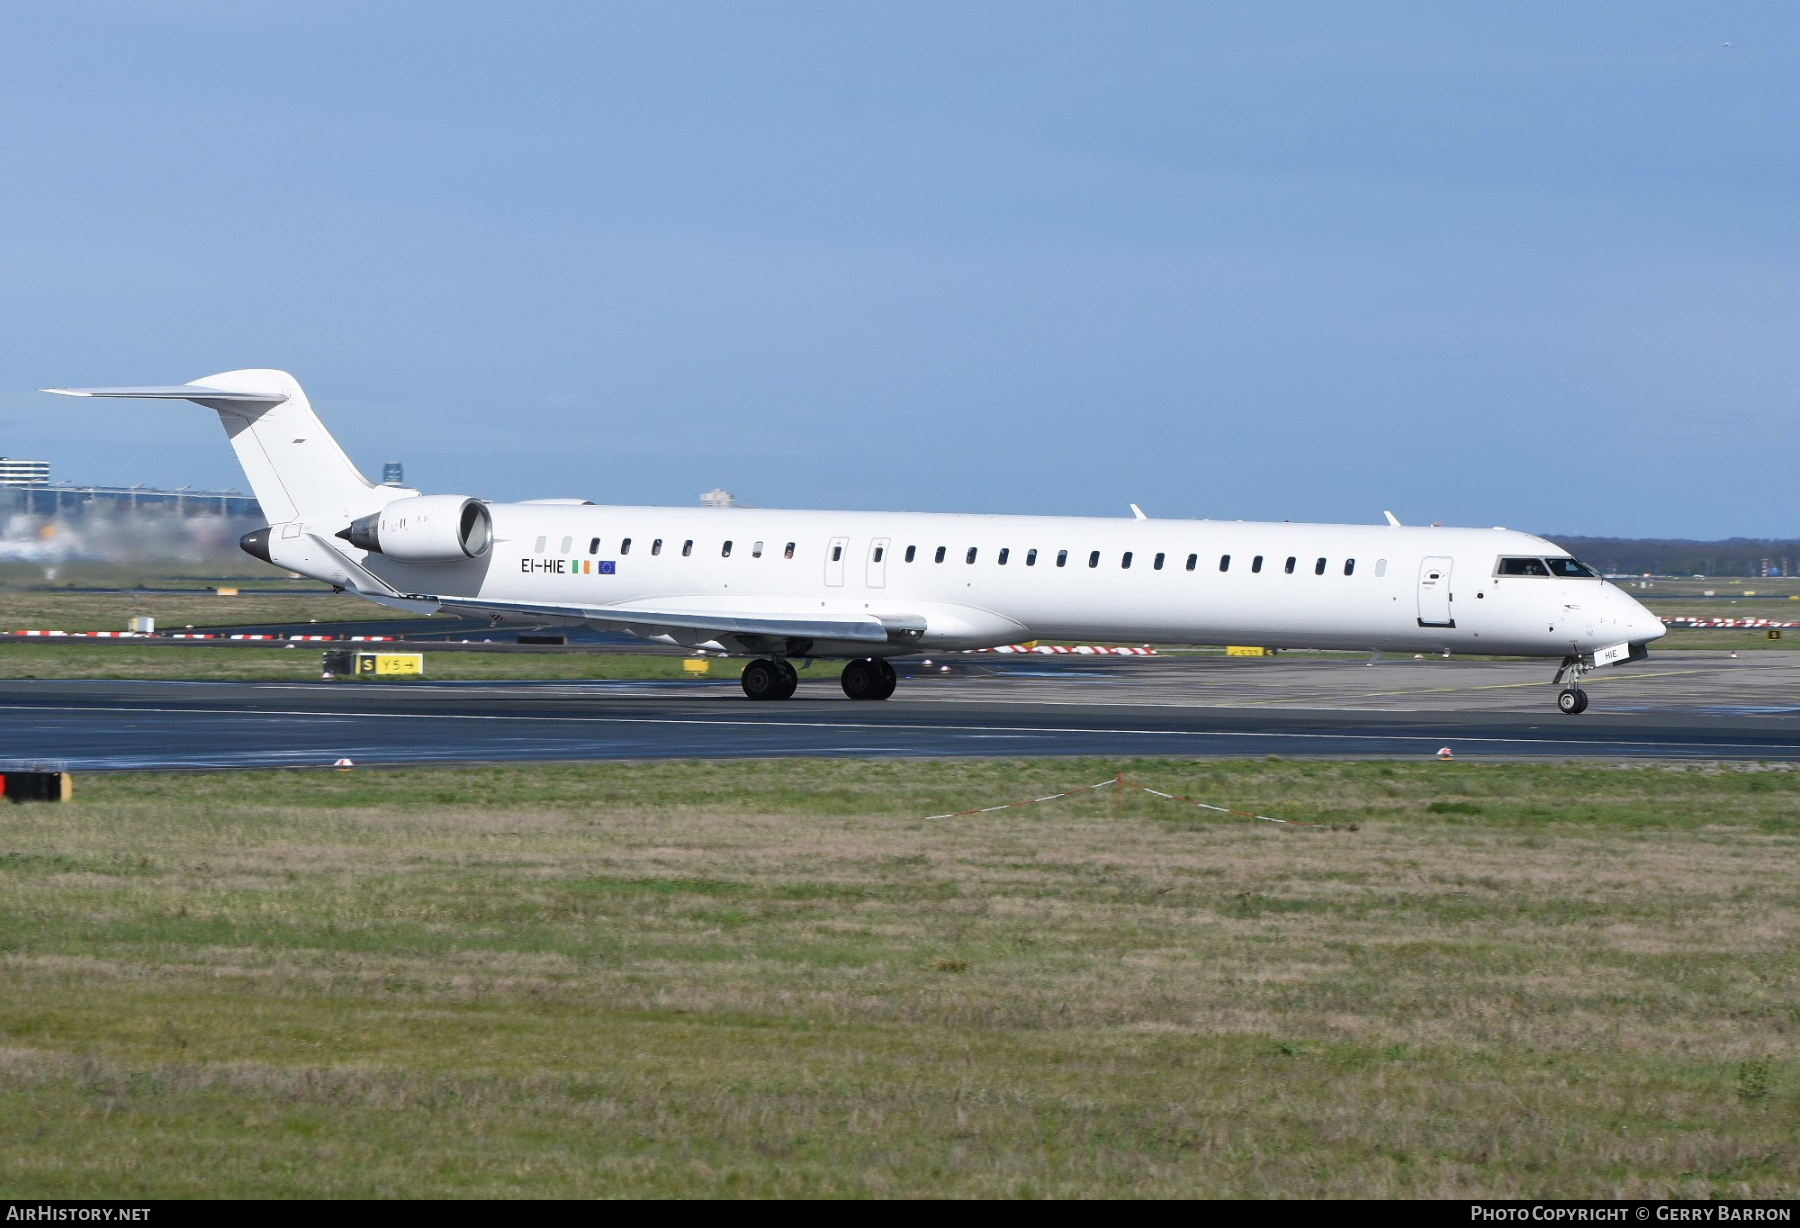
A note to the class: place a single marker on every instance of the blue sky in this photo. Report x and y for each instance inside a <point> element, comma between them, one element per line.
<point>1521,264</point>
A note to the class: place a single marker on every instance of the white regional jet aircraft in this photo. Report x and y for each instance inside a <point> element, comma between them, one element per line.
<point>867,586</point>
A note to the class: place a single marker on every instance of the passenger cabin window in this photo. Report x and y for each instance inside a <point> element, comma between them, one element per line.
<point>971,555</point>
<point>1349,567</point>
<point>789,552</point>
<point>1193,561</point>
<point>539,548</point>
<point>725,551</point>
<point>911,551</point>
<point>1157,562</point>
<point>1224,562</point>
<point>1380,568</point>
<point>1289,568</point>
<point>756,550</point>
<point>1125,560</point>
<point>1319,568</point>
<point>656,546</point>
<point>1256,564</point>
<point>941,552</point>
<point>1005,552</point>
<point>568,545</point>
<point>687,547</point>
<point>625,546</point>
<point>594,546</point>
<point>1523,567</point>
<point>1062,558</point>
<point>1031,557</point>
<point>1094,559</point>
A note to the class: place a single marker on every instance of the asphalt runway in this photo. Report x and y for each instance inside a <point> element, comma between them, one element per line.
<point>1685,706</point>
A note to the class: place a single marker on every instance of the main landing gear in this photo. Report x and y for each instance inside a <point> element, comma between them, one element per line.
<point>1571,700</point>
<point>770,679</point>
<point>774,678</point>
<point>868,678</point>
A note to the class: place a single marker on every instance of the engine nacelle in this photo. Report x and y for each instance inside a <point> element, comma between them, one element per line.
<point>426,529</point>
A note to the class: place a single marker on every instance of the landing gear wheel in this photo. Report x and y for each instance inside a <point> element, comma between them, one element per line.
<point>1572,700</point>
<point>868,678</point>
<point>790,681</point>
<point>769,679</point>
<point>885,679</point>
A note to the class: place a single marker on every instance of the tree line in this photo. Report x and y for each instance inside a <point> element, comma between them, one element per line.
<point>1673,556</point>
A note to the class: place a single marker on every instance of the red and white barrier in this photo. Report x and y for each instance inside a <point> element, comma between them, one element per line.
<point>1691,623</point>
<point>1078,650</point>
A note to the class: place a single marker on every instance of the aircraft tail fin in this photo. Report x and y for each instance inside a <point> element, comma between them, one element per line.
<point>296,469</point>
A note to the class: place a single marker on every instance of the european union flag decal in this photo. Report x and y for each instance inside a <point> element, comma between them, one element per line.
<point>608,567</point>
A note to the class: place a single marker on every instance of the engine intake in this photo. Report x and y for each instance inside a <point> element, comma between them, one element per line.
<point>426,529</point>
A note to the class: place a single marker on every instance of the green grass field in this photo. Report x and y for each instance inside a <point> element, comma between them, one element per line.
<point>776,979</point>
<point>52,610</point>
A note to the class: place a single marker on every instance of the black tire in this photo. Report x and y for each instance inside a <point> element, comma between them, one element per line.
<point>790,680</point>
<point>762,680</point>
<point>868,678</point>
<point>885,679</point>
<point>1572,701</point>
<point>859,678</point>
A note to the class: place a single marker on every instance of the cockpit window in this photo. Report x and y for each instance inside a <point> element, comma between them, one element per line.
<point>1564,567</point>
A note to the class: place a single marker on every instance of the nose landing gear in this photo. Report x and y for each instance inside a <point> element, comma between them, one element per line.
<point>1571,700</point>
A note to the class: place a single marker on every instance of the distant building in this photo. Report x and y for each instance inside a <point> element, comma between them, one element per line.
<point>24,472</point>
<point>65,499</point>
<point>718,496</point>
<point>393,474</point>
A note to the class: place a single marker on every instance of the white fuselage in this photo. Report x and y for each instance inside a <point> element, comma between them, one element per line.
<point>862,585</point>
<point>975,581</point>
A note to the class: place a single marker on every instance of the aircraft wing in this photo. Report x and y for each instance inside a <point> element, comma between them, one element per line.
<point>649,620</point>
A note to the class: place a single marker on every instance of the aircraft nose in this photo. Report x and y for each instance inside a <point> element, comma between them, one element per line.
<point>1641,626</point>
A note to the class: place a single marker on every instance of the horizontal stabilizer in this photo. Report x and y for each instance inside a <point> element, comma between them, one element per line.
<point>175,392</point>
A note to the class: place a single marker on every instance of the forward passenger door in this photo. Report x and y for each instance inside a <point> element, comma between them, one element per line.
<point>1434,593</point>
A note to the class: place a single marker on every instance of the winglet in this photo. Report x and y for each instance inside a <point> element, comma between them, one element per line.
<point>1137,513</point>
<point>1393,520</point>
